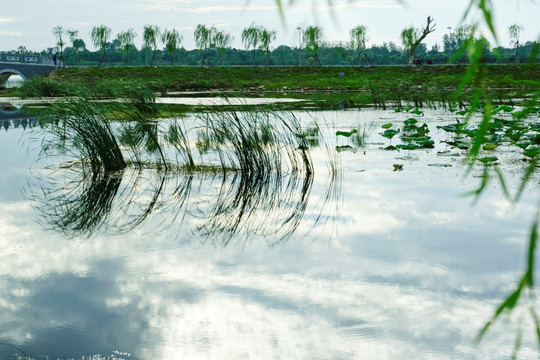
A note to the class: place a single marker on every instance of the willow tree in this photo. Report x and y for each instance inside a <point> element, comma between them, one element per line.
<point>222,41</point>
<point>463,36</point>
<point>172,40</point>
<point>312,38</point>
<point>126,40</point>
<point>151,35</point>
<point>76,43</point>
<point>204,36</point>
<point>58,32</point>
<point>412,37</point>
<point>358,42</point>
<point>100,35</point>
<point>513,32</point>
<point>251,37</point>
<point>266,36</point>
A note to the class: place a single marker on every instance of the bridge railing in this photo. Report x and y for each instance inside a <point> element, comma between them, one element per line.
<point>26,59</point>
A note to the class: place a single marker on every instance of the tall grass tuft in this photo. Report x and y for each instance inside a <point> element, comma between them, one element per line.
<point>141,134</point>
<point>268,195</point>
<point>176,135</point>
<point>138,94</point>
<point>81,128</point>
<point>266,181</point>
<point>40,86</point>
<point>141,97</point>
<point>257,142</point>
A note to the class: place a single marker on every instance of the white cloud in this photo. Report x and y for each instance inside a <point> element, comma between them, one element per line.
<point>360,5</point>
<point>220,8</point>
<point>163,5</point>
<point>11,33</point>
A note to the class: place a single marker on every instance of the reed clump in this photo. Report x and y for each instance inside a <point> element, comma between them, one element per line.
<point>81,128</point>
<point>39,86</point>
<point>251,141</point>
<point>257,141</point>
<point>138,94</point>
<point>262,158</point>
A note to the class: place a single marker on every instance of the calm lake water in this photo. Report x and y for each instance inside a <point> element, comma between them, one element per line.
<point>377,264</point>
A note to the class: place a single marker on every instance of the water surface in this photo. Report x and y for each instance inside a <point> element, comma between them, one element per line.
<point>390,265</point>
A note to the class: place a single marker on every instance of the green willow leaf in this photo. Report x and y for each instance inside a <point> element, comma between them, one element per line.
<point>503,183</point>
<point>534,315</point>
<point>526,177</point>
<point>508,304</point>
<point>485,6</point>
<point>517,343</point>
<point>534,52</point>
<point>532,247</point>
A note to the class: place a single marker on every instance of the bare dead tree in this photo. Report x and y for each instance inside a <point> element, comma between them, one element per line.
<point>412,37</point>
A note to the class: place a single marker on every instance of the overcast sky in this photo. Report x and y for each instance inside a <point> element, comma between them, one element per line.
<point>29,22</point>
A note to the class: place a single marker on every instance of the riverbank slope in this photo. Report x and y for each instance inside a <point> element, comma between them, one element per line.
<point>181,78</point>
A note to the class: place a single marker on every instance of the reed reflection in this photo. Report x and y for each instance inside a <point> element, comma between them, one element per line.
<point>238,209</point>
<point>77,207</point>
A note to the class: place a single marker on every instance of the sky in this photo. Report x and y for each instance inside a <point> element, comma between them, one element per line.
<point>29,23</point>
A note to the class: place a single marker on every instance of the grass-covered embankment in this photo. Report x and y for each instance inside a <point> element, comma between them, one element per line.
<point>326,86</point>
<point>303,77</point>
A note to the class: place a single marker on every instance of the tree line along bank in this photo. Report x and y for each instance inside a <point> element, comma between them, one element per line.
<point>164,47</point>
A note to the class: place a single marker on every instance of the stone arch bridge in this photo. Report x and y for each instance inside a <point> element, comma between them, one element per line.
<point>25,70</point>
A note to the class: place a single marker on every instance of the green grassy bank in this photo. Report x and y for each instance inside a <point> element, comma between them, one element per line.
<point>326,87</point>
<point>306,78</point>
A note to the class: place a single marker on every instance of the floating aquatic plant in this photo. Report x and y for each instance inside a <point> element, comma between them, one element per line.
<point>390,133</point>
<point>346,133</point>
